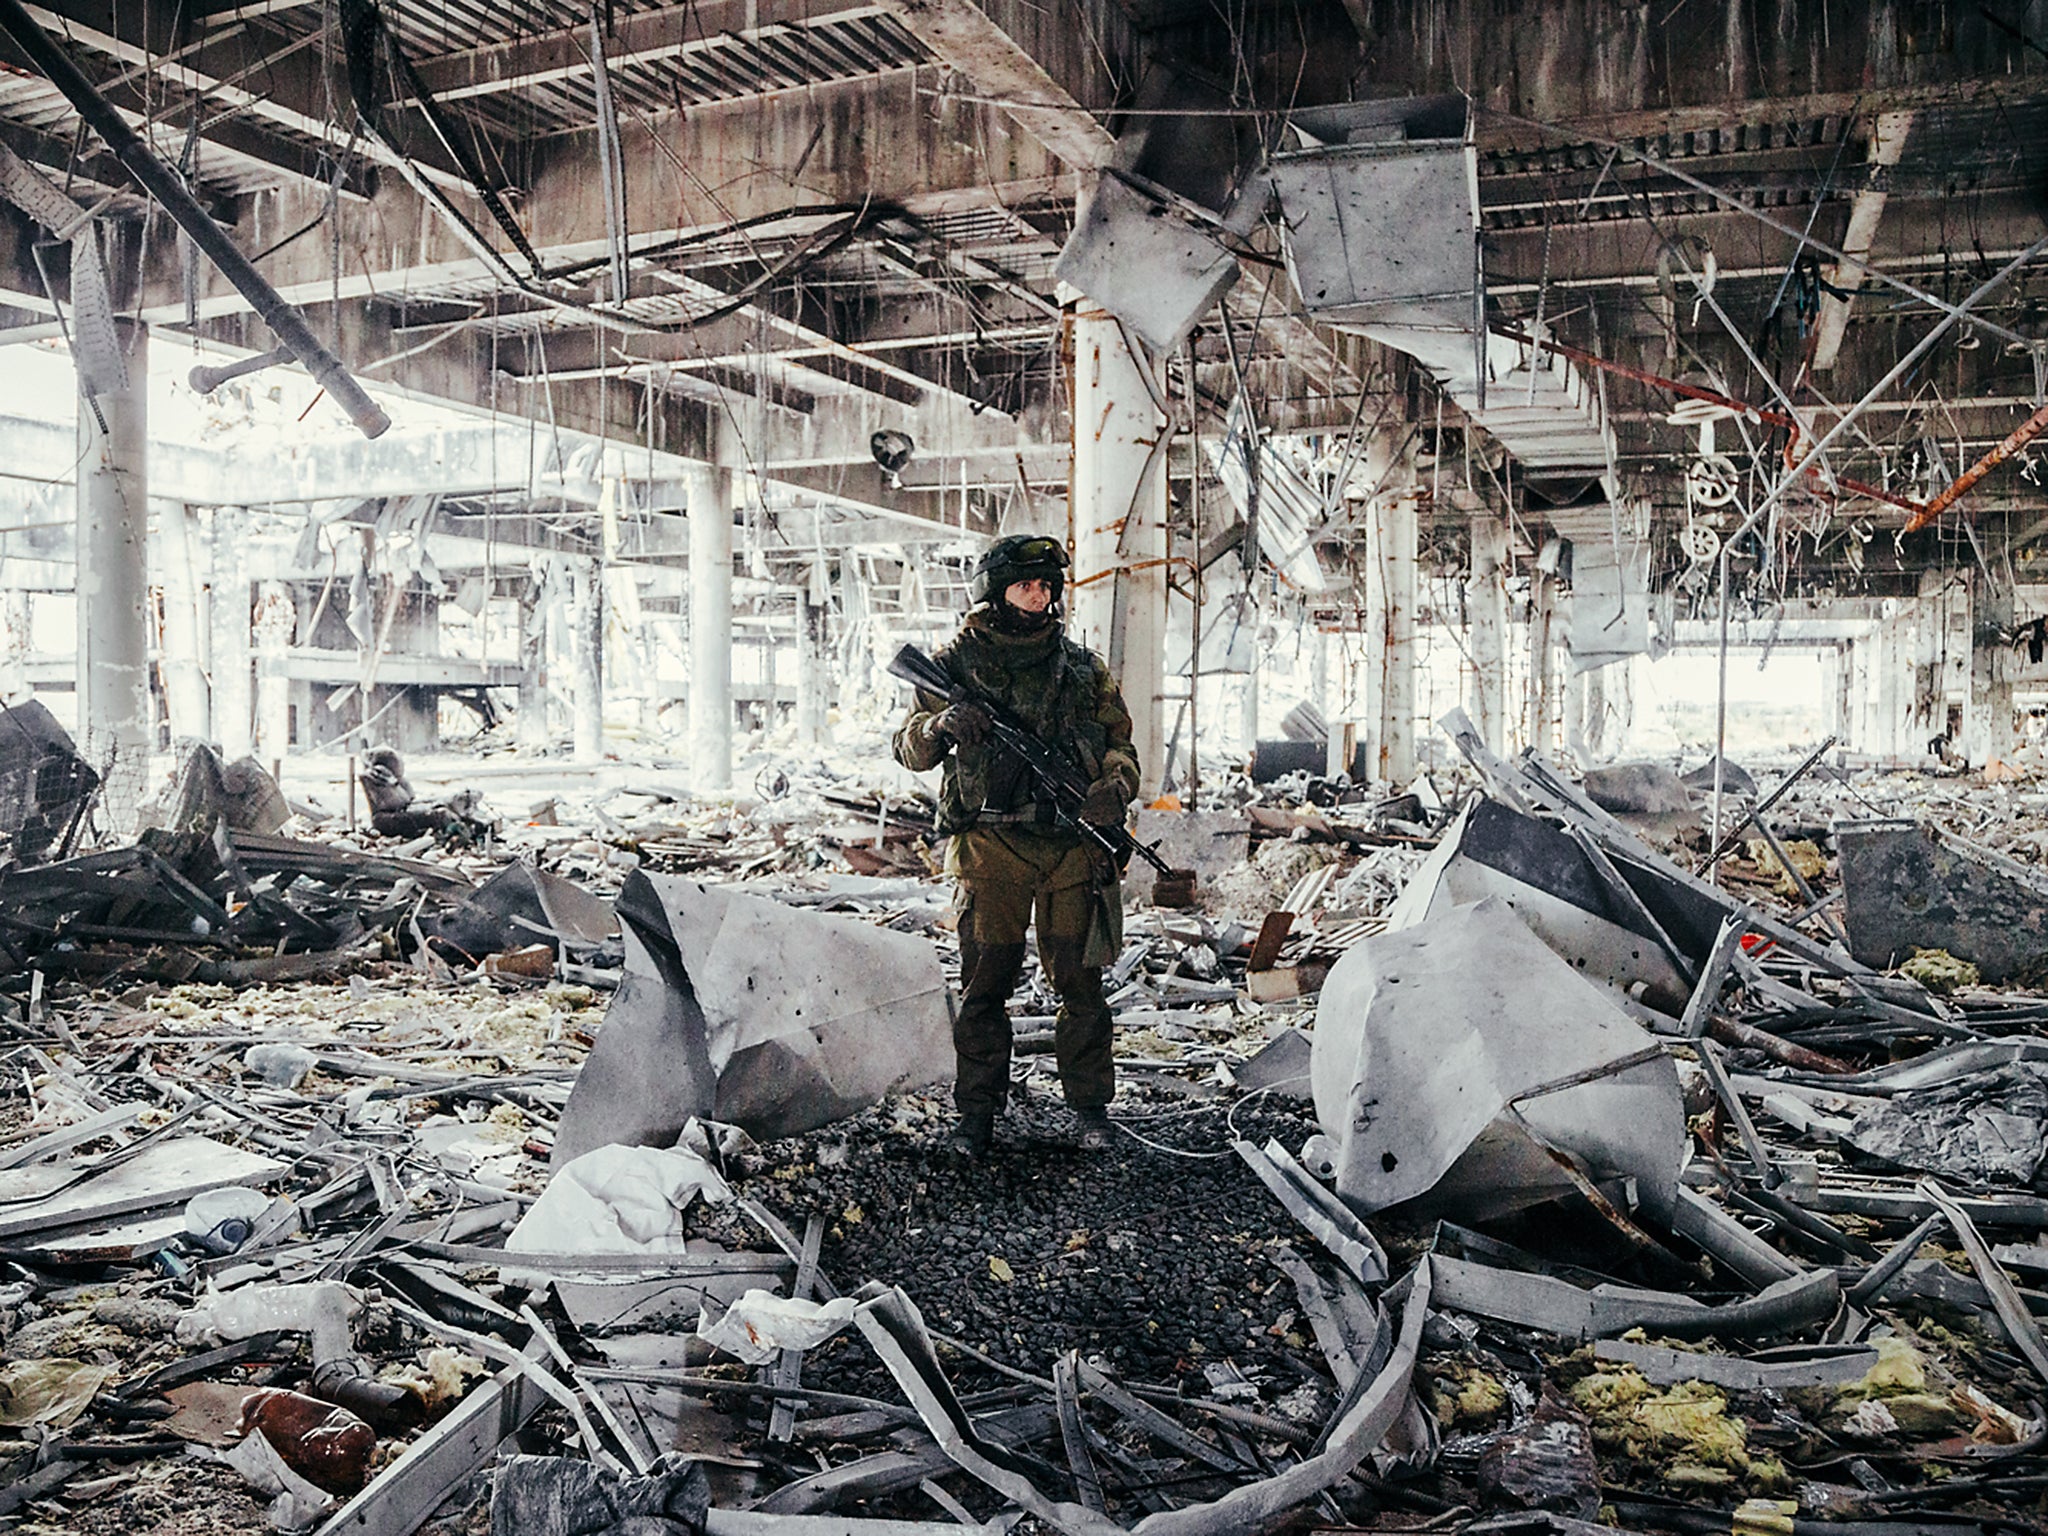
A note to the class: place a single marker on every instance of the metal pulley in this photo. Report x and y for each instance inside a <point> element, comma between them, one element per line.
<point>1711,480</point>
<point>1700,543</point>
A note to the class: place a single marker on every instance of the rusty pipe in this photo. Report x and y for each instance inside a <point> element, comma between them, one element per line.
<point>163,184</point>
<point>1712,397</point>
<point>1959,487</point>
<point>205,380</point>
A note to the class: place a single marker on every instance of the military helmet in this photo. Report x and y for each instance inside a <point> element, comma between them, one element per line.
<point>1020,557</point>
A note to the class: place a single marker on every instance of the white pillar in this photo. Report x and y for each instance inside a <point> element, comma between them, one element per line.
<point>710,494</point>
<point>1844,683</point>
<point>1390,642</point>
<point>1894,680</point>
<point>1539,724</point>
<point>1987,718</point>
<point>1929,706</point>
<point>531,727</point>
<point>1118,589</point>
<point>14,645</point>
<point>1486,611</point>
<point>586,633</point>
<point>116,722</point>
<point>813,668</point>
<point>181,648</point>
<point>276,620</point>
<point>227,612</point>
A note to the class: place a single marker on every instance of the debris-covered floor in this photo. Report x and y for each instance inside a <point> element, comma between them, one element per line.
<point>1482,1166</point>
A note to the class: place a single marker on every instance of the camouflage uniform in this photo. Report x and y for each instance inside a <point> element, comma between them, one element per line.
<point>1011,860</point>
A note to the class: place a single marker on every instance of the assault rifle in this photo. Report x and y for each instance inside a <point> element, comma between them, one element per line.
<point>1053,776</point>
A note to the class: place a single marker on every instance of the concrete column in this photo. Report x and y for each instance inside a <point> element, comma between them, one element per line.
<point>531,728</point>
<point>116,721</point>
<point>1988,717</point>
<point>232,676</point>
<point>1319,672</point>
<point>276,621</point>
<point>813,670</point>
<point>1248,712</point>
<point>1486,616</point>
<point>1842,677</point>
<point>1892,685</point>
<point>14,645</point>
<point>1586,714</point>
<point>1928,715</point>
<point>1540,702</point>
<point>586,637</point>
<point>710,492</point>
<point>181,649</point>
<point>1118,587</point>
<point>1391,642</point>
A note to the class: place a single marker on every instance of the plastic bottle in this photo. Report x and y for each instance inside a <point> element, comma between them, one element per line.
<point>221,1219</point>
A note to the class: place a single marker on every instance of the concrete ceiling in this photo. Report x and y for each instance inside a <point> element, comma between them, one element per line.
<point>841,216</point>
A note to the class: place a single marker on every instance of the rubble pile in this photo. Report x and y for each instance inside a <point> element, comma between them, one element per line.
<point>1508,1164</point>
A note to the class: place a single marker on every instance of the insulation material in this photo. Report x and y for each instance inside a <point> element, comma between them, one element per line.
<point>617,1200</point>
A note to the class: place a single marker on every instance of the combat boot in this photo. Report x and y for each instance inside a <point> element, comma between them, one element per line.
<point>973,1135</point>
<point>1098,1131</point>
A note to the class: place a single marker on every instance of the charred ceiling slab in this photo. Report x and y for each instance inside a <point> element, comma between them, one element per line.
<point>1906,886</point>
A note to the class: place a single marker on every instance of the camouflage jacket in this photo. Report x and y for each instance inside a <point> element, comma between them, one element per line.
<point>1056,686</point>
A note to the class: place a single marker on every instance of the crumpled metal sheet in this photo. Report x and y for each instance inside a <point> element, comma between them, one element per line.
<point>1494,850</point>
<point>739,1009</point>
<point>1437,1052</point>
<point>1991,1129</point>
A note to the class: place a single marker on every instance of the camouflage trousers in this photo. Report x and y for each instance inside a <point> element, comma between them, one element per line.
<point>1008,877</point>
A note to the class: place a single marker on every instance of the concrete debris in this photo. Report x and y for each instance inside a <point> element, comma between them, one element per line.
<point>1909,886</point>
<point>1645,788</point>
<point>1602,1191</point>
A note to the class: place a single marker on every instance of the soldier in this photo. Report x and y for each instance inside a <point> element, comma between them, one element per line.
<point>1007,853</point>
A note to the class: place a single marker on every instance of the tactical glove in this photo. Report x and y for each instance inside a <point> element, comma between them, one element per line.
<point>1105,804</point>
<point>964,725</point>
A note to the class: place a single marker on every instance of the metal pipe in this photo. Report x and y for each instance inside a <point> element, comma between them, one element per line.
<point>163,184</point>
<point>205,380</point>
<point>2017,439</point>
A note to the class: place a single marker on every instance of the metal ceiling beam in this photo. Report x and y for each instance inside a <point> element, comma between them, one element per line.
<point>288,94</point>
<point>641,37</point>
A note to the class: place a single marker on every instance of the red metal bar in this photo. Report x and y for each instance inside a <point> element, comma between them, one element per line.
<point>2017,439</point>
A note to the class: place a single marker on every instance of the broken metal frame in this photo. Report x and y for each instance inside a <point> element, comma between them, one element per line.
<point>1531,783</point>
<point>1326,1218</point>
